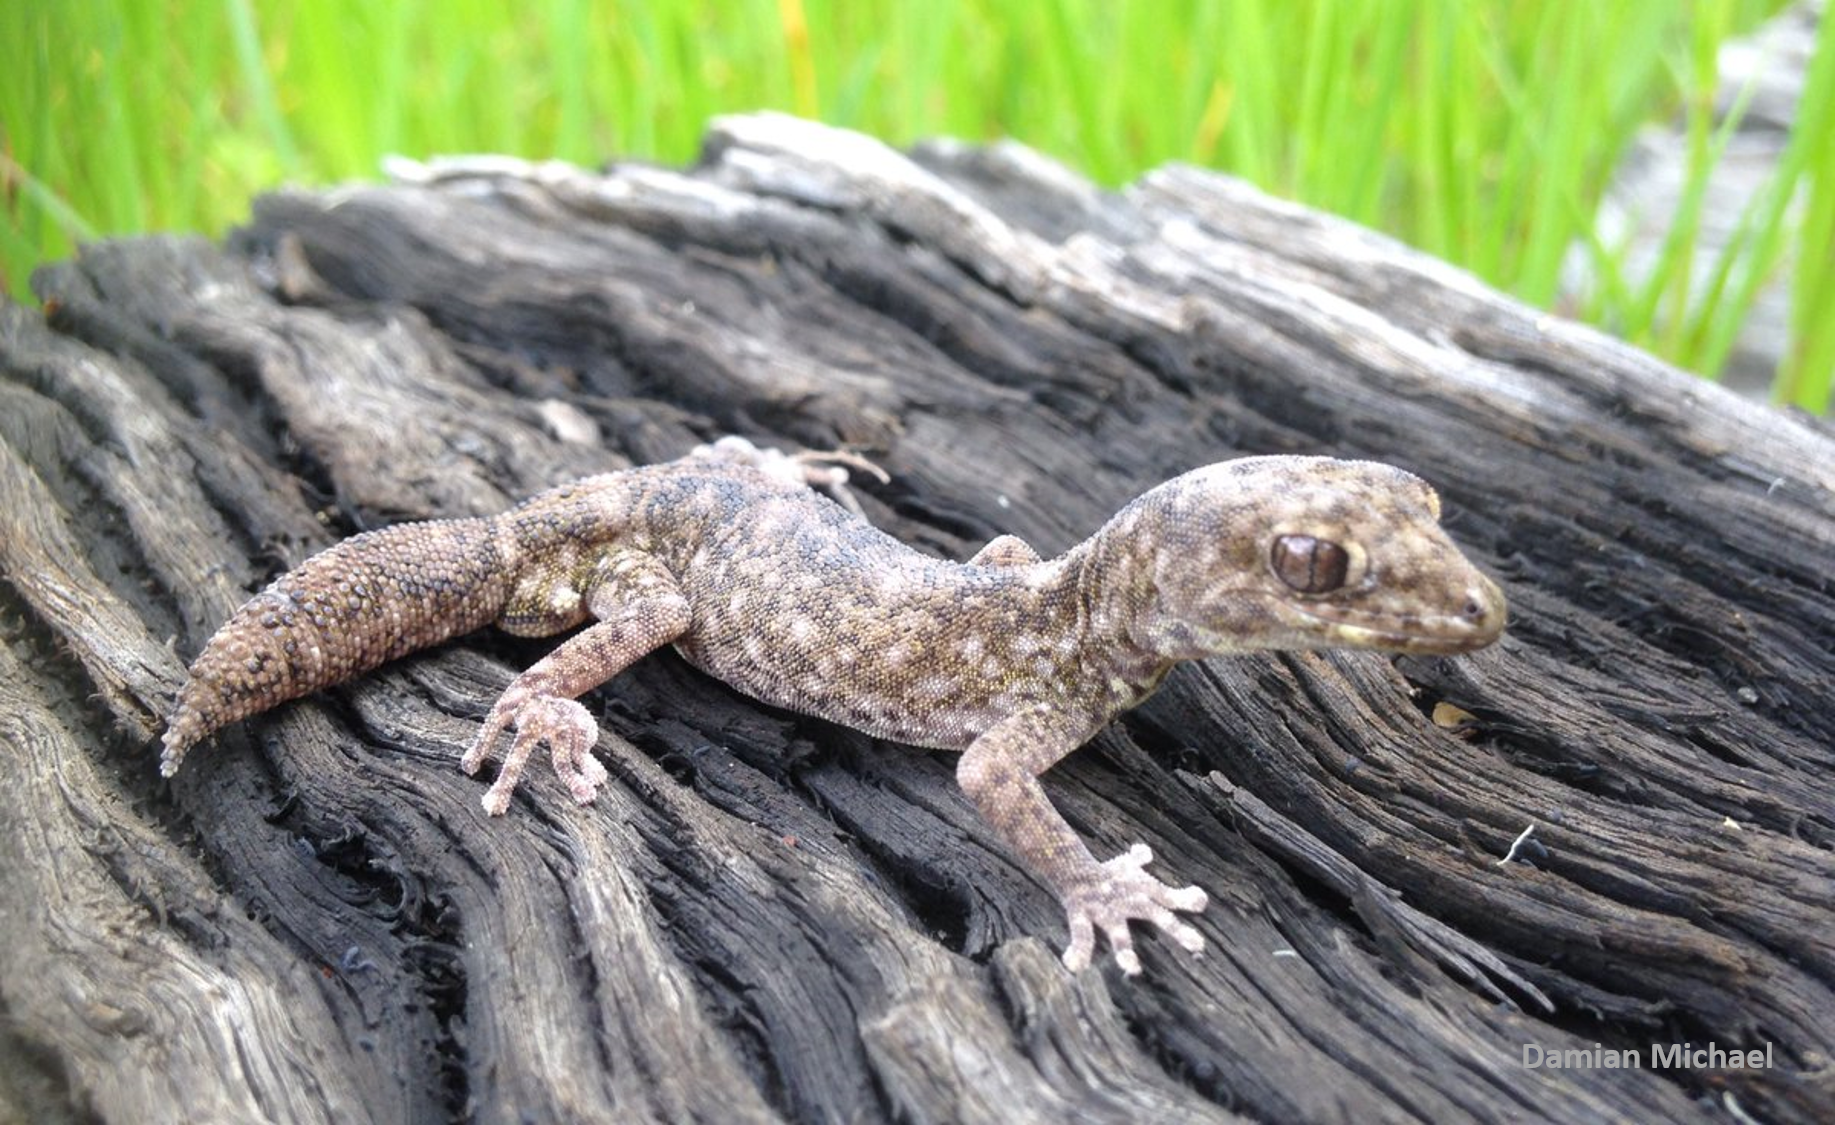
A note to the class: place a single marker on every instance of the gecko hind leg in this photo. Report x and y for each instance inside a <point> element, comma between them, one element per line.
<point>639,609</point>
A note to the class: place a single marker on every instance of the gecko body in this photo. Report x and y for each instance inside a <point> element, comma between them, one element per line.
<point>1009,659</point>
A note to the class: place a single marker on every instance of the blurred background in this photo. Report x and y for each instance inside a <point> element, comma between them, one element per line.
<point>1663,169</point>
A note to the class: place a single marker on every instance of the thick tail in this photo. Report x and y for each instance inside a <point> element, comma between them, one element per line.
<point>360,604</point>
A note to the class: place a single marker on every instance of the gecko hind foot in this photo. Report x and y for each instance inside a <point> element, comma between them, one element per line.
<point>564,724</point>
<point>823,470</point>
<point>1119,892</point>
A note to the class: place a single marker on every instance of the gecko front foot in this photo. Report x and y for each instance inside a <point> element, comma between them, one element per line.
<point>564,724</point>
<point>1121,891</point>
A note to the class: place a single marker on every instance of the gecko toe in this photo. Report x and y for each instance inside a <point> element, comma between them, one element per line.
<point>582,773</point>
<point>481,746</point>
<point>1187,936</point>
<point>1187,900</point>
<point>1082,943</point>
<point>1121,944</point>
<point>574,762</point>
<point>496,721</point>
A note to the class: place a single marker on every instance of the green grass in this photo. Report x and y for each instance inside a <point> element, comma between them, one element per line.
<point>1480,131</point>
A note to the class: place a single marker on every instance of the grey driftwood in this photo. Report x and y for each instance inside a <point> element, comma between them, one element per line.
<point>767,918</point>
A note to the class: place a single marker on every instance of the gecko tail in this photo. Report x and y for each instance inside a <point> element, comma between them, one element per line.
<point>186,729</point>
<point>356,606</point>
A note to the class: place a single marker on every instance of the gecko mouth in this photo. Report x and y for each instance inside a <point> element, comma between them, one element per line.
<point>1442,634</point>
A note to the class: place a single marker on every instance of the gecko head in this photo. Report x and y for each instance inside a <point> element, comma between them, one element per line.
<point>1309,552</point>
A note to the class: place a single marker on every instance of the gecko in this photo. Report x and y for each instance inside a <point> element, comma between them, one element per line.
<point>733,556</point>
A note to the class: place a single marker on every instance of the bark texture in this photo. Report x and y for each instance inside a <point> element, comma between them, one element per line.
<point>768,918</point>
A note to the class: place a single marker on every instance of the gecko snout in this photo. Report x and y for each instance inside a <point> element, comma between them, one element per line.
<point>1481,619</point>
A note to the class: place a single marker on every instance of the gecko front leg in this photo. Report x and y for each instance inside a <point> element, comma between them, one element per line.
<point>638,607</point>
<point>1000,773</point>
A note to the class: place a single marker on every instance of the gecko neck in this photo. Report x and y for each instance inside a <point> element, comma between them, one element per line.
<point>1119,571</point>
<point>1107,584</point>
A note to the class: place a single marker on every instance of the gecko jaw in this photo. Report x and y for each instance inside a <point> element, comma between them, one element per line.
<point>1393,640</point>
<point>1437,634</point>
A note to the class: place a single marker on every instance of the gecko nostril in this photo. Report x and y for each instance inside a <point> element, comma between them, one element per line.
<point>1474,608</point>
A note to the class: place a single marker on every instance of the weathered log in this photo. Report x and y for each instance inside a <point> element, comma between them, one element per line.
<point>765,917</point>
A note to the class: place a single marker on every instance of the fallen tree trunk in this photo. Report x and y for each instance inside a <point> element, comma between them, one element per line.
<point>767,917</point>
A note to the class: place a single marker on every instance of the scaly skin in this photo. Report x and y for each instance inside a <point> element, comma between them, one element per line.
<point>1012,660</point>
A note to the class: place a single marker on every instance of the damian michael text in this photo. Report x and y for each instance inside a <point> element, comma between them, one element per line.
<point>1684,1056</point>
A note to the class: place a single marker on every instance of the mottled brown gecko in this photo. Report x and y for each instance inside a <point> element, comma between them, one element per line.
<point>1015,661</point>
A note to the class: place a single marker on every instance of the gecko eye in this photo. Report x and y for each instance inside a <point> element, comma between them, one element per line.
<point>1308,565</point>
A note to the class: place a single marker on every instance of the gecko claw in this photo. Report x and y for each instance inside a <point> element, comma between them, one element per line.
<point>1120,891</point>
